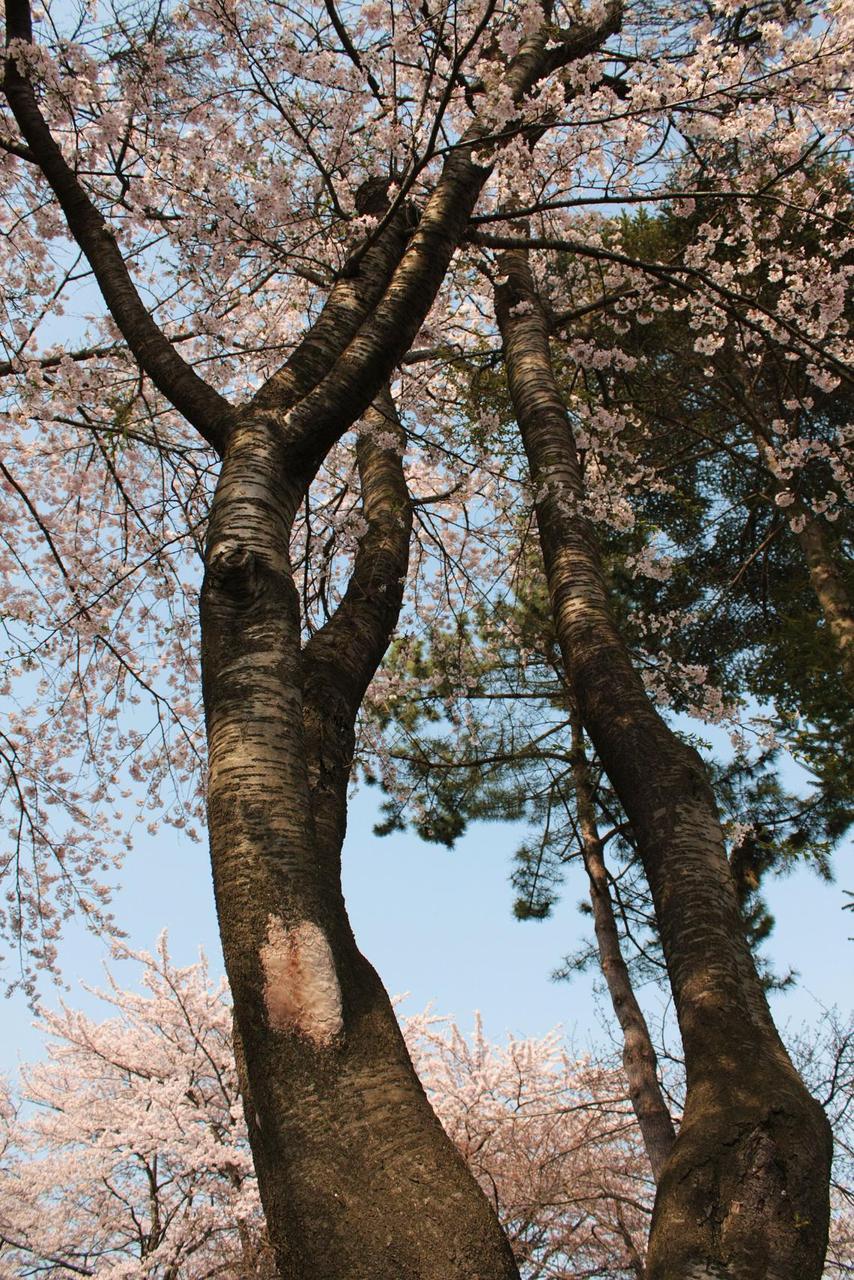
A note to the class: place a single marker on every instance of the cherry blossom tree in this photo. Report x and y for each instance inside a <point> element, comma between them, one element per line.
<point>130,1156</point>
<point>276,795</point>
<point>552,1141</point>
<point>500,763</point>
<point>291,216</point>
<point>723,1015</point>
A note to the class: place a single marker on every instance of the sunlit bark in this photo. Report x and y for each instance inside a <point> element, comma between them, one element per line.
<point>356,1175</point>
<point>744,1193</point>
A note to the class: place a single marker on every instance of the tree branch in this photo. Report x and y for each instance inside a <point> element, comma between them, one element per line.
<point>350,301</point>
<point>387,332</point>
<point>350,646</point>
<point>673,274</point>
<point>17,149</point>
<point>48,1257</point>
<point>351,50</point>
<point>201,405</point>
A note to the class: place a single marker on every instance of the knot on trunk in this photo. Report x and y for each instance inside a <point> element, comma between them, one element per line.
<point>233,569</point>
<point>372,196</point>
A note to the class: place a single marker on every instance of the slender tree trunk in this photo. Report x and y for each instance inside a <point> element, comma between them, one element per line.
<point>744,1193</point>
<point>357,1177</point>
<point>826,578</point>
<point>831,592</point>
<point>639,1058</point>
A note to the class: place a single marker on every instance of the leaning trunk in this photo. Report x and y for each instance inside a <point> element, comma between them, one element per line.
<point>744,1193</point>
<point>357,1178</point>
<point>639,1058</point>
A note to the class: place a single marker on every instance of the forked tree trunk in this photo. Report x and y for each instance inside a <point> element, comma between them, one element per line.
<point>639,1058</point>
<point>744,1193</point>
<point>357,1177</point>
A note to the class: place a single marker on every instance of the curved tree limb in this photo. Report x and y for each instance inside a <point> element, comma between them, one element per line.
<point>200,403</point>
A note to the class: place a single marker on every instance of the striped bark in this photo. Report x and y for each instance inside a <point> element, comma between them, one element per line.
<point>357,1177</point>
<point>744,1192</point>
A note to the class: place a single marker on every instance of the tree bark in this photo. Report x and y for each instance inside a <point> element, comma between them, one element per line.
<point>744,1193</point>
<point>826,579</point>
<point>639,1058</point>
<point>831,592</point>
<point>357,1177</point>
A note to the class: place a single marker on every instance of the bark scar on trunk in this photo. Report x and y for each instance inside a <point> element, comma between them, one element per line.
<point>301,991</point>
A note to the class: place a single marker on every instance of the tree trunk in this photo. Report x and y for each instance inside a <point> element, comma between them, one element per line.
<point>639,1058</point>
<point>826,580</point>
<point>357,1177</point>
<point>744,1193</point>
<point>831,592</point>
